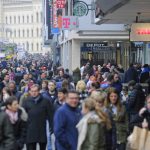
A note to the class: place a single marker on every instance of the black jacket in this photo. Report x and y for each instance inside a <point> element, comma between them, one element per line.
<point>19,129</point>
<point>6,133</point>
<point>38,112</point>
<point>131,74</point>
<point>137,120</point>
<point>136,100</point>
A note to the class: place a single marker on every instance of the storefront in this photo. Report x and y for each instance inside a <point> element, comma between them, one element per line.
<point>97,53</point>
<point>140,39</point>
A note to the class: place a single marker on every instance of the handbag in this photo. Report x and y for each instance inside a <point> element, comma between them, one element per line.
<point>138,139</point>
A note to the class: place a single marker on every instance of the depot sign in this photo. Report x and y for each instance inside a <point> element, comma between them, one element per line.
<point>140,32</point>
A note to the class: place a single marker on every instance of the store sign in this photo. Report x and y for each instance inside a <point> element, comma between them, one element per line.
<point>80,9</point>
<point>140,32</point>
<point>92,46</point>
<point>69,23</point>
<point>55,19</point>
<point>61,3</point>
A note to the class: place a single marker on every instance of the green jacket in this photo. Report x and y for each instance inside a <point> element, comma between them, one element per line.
<point>95,138</point>
<point>120,122</point>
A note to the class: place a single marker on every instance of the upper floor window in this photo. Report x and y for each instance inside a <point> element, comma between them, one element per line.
<point>32,19</point>
<point>37,32</point>
<point>18,19</point>
<point>37,17</point>
<point>23,33</point>
<point>6,20</point>
<point>14,19</point>
<point>18,33</point>
<point>22,19</point>
<point>10,20</point>
<point>27,19</point>
<point>27,32</point>
<point>14,33</point>
<point>32,32</point>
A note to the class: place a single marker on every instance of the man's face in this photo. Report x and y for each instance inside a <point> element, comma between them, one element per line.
<point>51,86</point>
<point>116,78</point>
<point>6,78</point>
<point>26,77</point>
<point>61,96</point>
<point>12,87</point>
<point>72,100</point>
<point>34,92</point>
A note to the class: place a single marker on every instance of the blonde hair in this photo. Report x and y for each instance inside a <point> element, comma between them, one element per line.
<point>91,105</point>
<point>79,84</point>
<point>98,96</point>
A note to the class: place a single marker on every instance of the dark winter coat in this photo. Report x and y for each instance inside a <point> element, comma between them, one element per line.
<point>136,100</point>
<point>6,133</point>
<point>50,97</point>
<point>117,86</point>
<point>19,129</point>
<point>131,74</point>
<point>137,120</point>
<point>57,105</point>
<point>65,120</point>
<point>38,112</point>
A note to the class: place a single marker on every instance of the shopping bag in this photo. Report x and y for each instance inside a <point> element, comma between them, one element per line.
<point>147,142</point>
<point>137,138</point>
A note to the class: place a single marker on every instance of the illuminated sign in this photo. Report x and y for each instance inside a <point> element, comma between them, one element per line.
<point>55,20</point>
<point>61,3</point>
<point>143,31</point>
<point>140,32</point>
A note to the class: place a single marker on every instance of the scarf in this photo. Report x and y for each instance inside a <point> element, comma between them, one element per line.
<point>13,116</point>
<point>82,128</point>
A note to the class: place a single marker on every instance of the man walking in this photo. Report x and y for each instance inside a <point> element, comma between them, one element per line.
<point>39,110</point>
<point>65,121</point>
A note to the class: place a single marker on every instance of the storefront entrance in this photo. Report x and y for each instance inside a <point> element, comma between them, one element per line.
<point>97,53</point>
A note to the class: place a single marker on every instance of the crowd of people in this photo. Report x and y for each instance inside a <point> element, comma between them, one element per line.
<point>41,103</point>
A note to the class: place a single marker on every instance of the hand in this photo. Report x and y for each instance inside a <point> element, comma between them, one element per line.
<point>142,111</point>
<point>144,124</point>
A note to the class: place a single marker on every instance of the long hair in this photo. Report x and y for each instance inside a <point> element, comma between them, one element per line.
<point>91,105</point>
<point>108,102</point>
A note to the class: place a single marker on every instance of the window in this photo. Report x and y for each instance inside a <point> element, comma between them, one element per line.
<point>22,33</point>
<point>14,33</point>
<point>32,19</point>
<point>18,19</point>
<point>37,32</point>
<point>14,19</point>
<point>41,16</point>
<point>6,20</point>
<point>18,33</point>
<point>27,19</point>
<point>32,32</point>
<point>37,17</point>
<point>27,44</point>
<point>41,33</point>
<point>31,46</point>
<point>10,20</point>
<point>27,33</point>
<point>22,19</point>
<point>37,46</point>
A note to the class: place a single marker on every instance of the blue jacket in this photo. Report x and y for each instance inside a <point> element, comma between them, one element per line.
<point>65,120</point>
<point>117,86</point>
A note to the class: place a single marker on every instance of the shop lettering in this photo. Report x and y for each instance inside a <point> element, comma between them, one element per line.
<point>94,45</point>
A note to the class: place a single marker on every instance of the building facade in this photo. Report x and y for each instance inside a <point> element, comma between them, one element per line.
<point>22,23</point>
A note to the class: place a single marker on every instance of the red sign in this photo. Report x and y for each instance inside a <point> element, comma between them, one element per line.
<point>55,19</point>
<point>143,31</point>
<point>61,3</point>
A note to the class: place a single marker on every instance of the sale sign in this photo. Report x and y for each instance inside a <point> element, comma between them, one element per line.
<point>61,3</point>
<point>55,19</point>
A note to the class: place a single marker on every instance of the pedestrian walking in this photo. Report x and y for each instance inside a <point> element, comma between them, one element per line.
<point>39,110</point>
<point>65,120</point>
